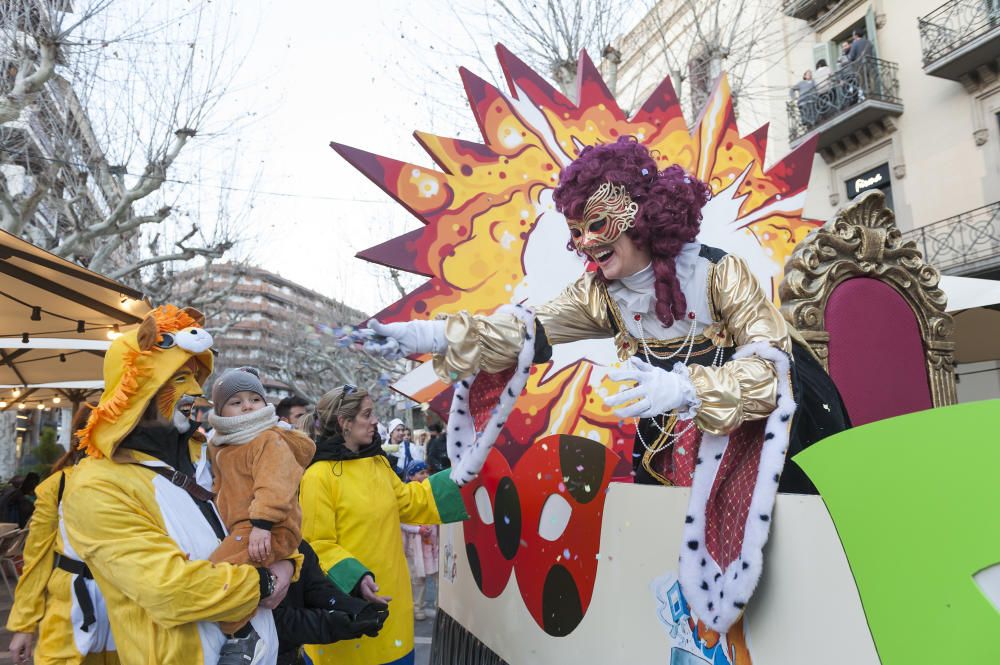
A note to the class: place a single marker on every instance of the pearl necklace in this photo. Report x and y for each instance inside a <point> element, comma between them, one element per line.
<point>688,342</point>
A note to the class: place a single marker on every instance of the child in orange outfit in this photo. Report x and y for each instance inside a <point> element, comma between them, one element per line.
<point>257,466</point>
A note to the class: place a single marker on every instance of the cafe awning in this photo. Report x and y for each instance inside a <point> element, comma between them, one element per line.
<point>43,295</point>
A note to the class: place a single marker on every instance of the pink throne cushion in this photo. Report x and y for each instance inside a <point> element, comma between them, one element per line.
<point>876,352</point>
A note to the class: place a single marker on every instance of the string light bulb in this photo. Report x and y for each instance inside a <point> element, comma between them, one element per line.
<point>3,405</point>
<point>24,338</point>
<point>41,406</point>
<point>22,406</point>
<point>115,332</point>
<point>56,400</point>
<point>17,392</point>
<point>81,326</point>
<point>36,313</point>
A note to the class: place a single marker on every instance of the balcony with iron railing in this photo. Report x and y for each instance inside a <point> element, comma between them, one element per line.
<point>855,105</point>
<point>807,10</point>
<point>960,41</point>
<point>966,244</point>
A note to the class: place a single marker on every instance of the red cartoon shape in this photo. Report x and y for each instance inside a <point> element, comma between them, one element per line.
<point>562,482</point>
<point>493,530</point>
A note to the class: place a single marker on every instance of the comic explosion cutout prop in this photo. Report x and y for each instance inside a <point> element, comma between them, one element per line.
<point>492,235</point>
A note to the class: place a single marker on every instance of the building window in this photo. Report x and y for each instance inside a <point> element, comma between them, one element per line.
<point>877,178</point>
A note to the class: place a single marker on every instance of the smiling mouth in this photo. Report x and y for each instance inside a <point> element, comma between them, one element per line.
<point>602,255</point>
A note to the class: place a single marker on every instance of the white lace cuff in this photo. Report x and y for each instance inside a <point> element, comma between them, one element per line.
<point>689,407</point>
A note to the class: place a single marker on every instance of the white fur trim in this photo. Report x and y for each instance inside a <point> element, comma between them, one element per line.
<point>718,596</point>
<point>468,448</point>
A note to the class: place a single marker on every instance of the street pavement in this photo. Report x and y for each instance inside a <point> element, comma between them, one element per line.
<point>422,639</point>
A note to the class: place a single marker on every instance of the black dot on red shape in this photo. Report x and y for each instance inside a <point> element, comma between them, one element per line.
<point>582,465</point>
<point>507,518</point>
<point>477,568</point>
<point>562,610</point>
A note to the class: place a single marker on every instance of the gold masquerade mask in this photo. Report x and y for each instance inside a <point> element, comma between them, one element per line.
<point>608,213</point>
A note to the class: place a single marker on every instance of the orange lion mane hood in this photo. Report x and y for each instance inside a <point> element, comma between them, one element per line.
<point>138,363</point>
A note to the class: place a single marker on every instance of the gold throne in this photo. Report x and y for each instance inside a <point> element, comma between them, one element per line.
<point>870,308</point>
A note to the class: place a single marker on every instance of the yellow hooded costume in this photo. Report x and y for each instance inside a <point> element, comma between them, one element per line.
<point>351,512</point>
<point>48,596</point>
<point>145,538</point>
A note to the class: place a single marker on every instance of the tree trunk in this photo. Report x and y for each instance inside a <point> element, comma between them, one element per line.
<point>8,443</point>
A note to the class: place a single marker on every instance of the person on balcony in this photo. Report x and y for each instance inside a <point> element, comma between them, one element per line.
<point>822,72</point>
<point>804,92</point>
<point>860,46</point>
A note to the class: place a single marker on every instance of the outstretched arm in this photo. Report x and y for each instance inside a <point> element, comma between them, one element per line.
<point>464,343</point>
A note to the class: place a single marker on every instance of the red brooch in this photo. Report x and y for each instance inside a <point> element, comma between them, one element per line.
<point>638,317</point>
<point>691,315</point>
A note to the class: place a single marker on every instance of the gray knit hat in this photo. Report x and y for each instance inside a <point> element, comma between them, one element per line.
<point>233,381</point>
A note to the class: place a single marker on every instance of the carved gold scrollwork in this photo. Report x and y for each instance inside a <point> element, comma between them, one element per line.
<point>862,241</point>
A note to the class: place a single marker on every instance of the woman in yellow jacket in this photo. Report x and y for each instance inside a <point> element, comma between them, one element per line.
<point>56,595</point>
<point>352,506</point>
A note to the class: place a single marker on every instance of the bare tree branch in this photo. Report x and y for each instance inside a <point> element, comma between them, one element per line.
<point>80,113</point>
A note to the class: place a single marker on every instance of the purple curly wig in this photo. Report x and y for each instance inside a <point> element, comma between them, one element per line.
<point>670,203</point>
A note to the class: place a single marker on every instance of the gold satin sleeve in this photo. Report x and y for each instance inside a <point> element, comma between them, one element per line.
<point>744,389</point>
<point>492,342</point>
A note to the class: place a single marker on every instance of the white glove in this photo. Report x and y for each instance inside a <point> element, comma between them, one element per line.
<point>656,391</point>
<point>406,338</point>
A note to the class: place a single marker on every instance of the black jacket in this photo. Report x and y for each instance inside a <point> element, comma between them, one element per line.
<point>315,611</point>
<point>437,453</point>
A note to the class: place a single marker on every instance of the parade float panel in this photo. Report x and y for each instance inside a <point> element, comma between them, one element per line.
<point>807,608</point>
<point>914,500</point>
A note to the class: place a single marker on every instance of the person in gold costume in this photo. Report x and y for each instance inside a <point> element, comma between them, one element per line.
<point>723,391</point>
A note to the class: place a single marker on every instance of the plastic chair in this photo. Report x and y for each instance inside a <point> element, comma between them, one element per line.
<point>11,551</point>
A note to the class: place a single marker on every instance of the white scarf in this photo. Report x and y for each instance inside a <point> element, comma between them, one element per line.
<point>237,430</point>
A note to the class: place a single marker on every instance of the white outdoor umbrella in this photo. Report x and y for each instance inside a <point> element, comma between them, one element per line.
<point>46,369</point>
<point>975,305</point>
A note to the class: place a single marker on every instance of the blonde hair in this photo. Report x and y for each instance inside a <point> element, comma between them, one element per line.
<point>323,422</point>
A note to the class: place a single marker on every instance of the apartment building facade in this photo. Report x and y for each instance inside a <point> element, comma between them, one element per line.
<point>916,116</point>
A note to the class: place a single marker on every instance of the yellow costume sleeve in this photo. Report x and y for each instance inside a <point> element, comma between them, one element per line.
<point>744,389</point>
<point>39,554</point>
<point>436,500</point>
<point>121,540</point>
<point>492,342</point>
<point>319,494</point>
